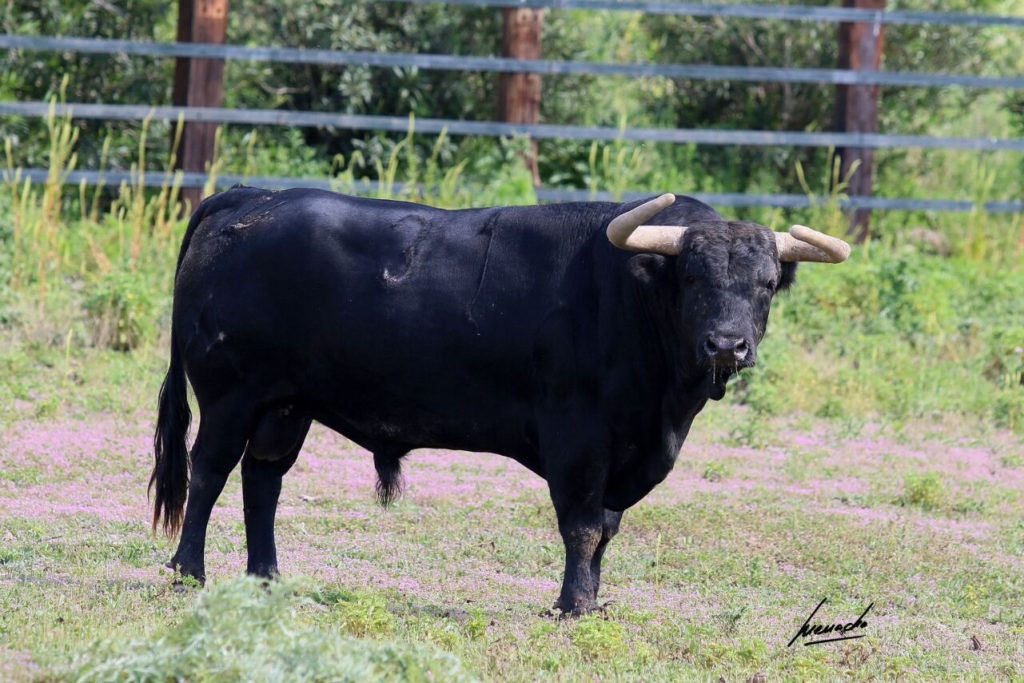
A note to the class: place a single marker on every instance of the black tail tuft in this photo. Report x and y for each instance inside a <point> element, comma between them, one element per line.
<point>170,475</point>
<point>169,480</point>
<point>389,478</point>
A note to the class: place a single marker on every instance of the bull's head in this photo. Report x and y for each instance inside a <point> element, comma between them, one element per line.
<point>725,275</point>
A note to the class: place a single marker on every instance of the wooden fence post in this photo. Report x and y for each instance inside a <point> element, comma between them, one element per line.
<point>860,49</point>
<point>519,93</point>
<point>199,83</point>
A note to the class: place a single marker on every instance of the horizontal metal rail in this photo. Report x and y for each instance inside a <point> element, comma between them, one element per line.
<point>799,201</point>
<point>399,124</point>
<point>285,55</point>
<point>182,178</point>
<point>786,201</point>
<point>785,13</point>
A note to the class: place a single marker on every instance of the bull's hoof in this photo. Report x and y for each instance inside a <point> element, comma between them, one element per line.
<point>566,609</point>
<point>265,572</point>
<point>186,577</point>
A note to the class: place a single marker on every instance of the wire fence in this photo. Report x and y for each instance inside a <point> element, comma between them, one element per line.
<point>784,13</point>
<point>371,187</point>
<point>549,67</point>
<point>401,124</point>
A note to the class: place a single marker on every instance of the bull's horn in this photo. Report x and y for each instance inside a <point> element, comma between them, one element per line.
<point>804,244</point>
<point>626,232</point>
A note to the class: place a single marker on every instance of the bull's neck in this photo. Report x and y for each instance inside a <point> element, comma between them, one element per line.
<point>662,356</point>
<point>685,391</point>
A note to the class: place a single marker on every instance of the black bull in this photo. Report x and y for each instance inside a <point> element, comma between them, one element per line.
<point>518,331</point>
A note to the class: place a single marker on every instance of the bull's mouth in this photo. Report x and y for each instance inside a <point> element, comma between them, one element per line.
<point>718,376</point>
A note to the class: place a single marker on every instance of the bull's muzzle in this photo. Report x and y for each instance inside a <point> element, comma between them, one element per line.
<point>726,351</point>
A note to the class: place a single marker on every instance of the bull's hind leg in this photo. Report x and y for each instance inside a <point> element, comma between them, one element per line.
<point>608,531</point>
<point>223,430</point>
<point>271,452</point>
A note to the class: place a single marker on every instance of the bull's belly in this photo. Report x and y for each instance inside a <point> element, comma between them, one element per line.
<point>399,437</point>
<point>399,427</point>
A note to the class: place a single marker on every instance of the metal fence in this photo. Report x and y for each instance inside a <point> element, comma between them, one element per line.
<point>555,131</point>
<point>548,67</point>
<point>785,13</point>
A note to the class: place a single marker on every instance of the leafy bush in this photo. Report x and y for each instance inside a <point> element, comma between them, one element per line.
<point>35,75</point>
<point>359,615</point>
<point>896,333</point>
<point>121,309</point>
<point>715,471</point>
<point>244,631</point>
<point>598,638</point>
<point>923,490</point>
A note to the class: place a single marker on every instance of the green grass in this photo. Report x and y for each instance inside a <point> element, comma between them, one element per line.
<point>710,576</point>
<point>243,631</point>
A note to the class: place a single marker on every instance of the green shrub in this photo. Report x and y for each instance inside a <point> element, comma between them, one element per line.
<point>244,631</point>
<point>121,310</point>
<point>598,638</point>
<point>360,615</point>
<point>923,490</point>
<point>894,334</point>
<point>751,431</point>
<point>715,471</point>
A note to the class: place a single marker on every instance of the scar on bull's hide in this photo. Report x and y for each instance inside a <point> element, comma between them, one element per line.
<point>220,338</point>
<point>250,220</point>
<point>253,217</point>
<point>488,230</point>
<point>393,275</point>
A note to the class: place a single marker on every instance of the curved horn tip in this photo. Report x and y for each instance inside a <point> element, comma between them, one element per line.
<point>626,231</point>
<point>839,250</point>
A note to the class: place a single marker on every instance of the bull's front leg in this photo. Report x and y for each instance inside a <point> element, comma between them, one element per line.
<point>577,478</point>
<point>581,534</point>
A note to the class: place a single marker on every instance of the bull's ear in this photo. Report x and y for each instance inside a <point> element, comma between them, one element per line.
<point>649,269</point>
<point>788,276</point>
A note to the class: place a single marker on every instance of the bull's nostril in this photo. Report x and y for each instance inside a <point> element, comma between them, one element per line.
<point>726,350</point>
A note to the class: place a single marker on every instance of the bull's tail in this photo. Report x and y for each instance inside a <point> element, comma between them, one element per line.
<point>169,481</point>
<point>389,477</point>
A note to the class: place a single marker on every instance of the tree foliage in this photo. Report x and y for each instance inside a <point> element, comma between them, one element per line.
<point>586,100</point>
